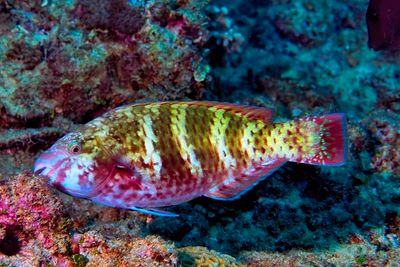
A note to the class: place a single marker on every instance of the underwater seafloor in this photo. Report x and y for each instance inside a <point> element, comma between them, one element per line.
<point>63,63</point>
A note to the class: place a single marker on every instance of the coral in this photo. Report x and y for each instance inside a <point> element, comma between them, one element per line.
<point>28,137</point>
<point>53,71</point>
<point>35,230</point>
<point>119,16</point>
<point>19,146</point>
<point>223,31</point>
<point>201,256</point>
<point>291,99</point>
<point>99,248</point>
<point>65,62</point>
<point>383,126</point>
<point>301,70</point>
<point>306,22</point>
<point>35,227</point>
<point>73,60</point>
<point>377,248</point>
<point>32,219</point>
<point>353,255</point>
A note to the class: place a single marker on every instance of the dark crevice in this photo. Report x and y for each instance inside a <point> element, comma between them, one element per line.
<point>10,244</point>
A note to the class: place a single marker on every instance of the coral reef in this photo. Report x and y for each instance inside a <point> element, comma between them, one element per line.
<point>379,247</point>
<point>103,56</point>
<point>348,256</point>
<point>34,226</point>
<point>308,23</point>
<point>302,58</point>
<point>111,248</point>
<point>62,63</point>
<point>119,17</point>
<point>72,60</point>
<point>383,127</point>
<point>223,32</point>
<point>200,256</point>
<point>37,230</point>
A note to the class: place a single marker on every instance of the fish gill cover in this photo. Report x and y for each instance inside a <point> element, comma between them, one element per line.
<point>64,63</point>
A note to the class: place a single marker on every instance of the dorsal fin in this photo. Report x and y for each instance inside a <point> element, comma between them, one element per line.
<point>255,113</point>
<point>235,187</point>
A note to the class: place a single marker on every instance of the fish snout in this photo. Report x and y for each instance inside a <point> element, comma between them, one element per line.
<point>46,162</point>
<point>41,166</point>
<point>42,162</point>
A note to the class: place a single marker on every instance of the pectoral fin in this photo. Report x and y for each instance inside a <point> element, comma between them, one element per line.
<point>118,161</point>
<point>153,211</point>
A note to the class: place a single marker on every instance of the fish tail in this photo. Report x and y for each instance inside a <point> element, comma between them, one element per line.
<point>325,141</point>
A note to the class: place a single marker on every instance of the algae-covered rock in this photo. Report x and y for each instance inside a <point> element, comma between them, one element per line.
<point>75,58</point>
<point>201,256</point>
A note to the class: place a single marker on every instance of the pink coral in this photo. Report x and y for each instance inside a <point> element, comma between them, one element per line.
<point>31,218</point>
<point>34,230</point>
<point>100,249</point>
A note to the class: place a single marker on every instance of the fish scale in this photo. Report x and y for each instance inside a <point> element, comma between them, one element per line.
<point>150,155</point>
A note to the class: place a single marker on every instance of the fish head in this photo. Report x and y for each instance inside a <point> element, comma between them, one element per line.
<point>70,165</point>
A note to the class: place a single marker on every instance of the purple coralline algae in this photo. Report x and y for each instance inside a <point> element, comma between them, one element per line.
<point>33,223</point>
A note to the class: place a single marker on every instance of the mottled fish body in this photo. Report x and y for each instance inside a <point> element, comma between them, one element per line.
<point>145,156</point>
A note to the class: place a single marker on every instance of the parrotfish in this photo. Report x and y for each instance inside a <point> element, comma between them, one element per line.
<point>146,156</point>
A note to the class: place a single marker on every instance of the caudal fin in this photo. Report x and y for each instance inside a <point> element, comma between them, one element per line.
<point>329,140</point>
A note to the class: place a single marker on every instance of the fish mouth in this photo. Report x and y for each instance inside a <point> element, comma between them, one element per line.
<point>47,161</point>
<point>47,167</point>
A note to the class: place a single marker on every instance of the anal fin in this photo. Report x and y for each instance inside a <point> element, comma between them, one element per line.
<point>235,187</point>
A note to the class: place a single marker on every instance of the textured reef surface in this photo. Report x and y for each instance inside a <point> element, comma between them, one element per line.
<point>63,63</point>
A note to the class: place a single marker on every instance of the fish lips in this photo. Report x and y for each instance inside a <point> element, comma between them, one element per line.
<point>47,162</point>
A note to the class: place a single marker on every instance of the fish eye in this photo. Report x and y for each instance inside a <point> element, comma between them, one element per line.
<point>74,148</point>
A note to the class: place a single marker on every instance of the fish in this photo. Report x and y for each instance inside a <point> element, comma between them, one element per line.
<point>147,156</point>
<point>383,23</point>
